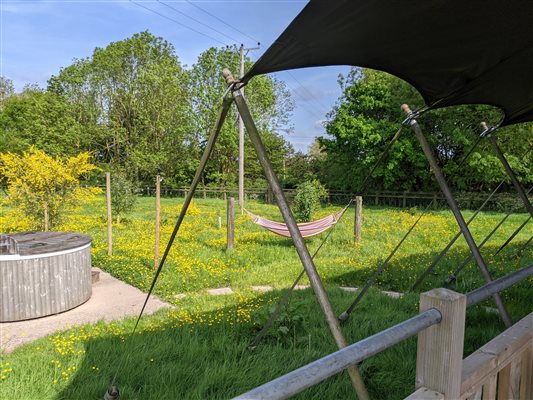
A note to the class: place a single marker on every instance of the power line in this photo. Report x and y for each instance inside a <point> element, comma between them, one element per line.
<point>311,108</point>
<point>198,21</point>
<point>179,23</point>
<point>225,23</point>
<point>312,96</point>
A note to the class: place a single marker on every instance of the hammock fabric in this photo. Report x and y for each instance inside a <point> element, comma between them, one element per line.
<point>307,229</point>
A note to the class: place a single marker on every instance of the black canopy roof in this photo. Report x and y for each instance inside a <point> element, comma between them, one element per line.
<point>452,51</point>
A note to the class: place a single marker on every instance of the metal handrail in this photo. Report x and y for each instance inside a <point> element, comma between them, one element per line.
<point>321,369</point>
<point>315,372</point>
<point>498,285</point>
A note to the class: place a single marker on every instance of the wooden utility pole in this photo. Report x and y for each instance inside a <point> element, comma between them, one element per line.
<point>358,218</point>
<point>109,216</point>
<point>231,223</point>
<point>241,130</point>
<point>157,218</point>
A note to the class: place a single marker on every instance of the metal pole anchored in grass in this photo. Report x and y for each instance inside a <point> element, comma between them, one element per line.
<point>346,314</point>
<point>296,235</point>
<point>516,232</point>
<point>508,168</point>
<point>453,276</point>
<point>454,239</point>
<point>455,209</point>
<point>226,102</point>
<point>524,247</point>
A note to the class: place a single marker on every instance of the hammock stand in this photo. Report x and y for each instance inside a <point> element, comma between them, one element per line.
<point>307,229</point>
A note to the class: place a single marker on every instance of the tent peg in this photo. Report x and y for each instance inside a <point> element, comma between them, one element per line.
<point>112,393</point>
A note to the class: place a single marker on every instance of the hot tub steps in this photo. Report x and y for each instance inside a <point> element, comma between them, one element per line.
<point>95,275</point>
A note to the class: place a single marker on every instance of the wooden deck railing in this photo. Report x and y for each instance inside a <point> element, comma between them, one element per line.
<point>501,369</point>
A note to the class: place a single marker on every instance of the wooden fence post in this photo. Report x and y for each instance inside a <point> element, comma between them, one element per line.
<point>157,219</point>
<point>358,223</point>
<point>439,357</point>
<point>231,222</point>
<point>109,216</point>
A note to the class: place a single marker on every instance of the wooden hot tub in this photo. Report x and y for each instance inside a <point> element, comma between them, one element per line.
<point>43,273</point>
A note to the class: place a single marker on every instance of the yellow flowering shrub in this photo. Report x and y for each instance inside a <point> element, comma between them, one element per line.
<point>42,188</point>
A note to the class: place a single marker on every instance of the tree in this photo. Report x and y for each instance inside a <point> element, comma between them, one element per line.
<point>6,90</point>
<point>367,116</point>
<point>299,167</point>
<point>307,199</point>
<point>44,187</point>
<point>269,103</point>
<point>122,195</point>
<point>41,119</point>
<point>133,96</point>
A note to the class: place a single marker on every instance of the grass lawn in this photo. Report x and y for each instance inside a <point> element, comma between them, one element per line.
<point>199,349</point>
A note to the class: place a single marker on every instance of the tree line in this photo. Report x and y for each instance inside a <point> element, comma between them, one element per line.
<point>139,112</point>
<point>366,117</point>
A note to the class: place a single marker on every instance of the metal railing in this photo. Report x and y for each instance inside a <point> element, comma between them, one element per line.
<point>484,292</point>
<point>315,372</point>
<point>321,369</point>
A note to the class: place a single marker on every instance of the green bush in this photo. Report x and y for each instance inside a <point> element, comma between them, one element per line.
<point>307,199</point>
<point>122,195</point>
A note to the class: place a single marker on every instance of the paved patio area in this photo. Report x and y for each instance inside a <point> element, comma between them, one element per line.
<point>111,300</point>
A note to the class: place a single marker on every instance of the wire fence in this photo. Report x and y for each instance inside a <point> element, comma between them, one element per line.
<point>382,198</point>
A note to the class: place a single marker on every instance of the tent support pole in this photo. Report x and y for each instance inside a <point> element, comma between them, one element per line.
<point>453,276</point>
<point>521,249</point>
<point>457,213</point>
<point>511,174</point>
<point>516,232</point>
<point>297,238</point>
<point>452,242</point>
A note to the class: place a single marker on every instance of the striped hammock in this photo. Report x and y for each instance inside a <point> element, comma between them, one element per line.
<point>307,229</point>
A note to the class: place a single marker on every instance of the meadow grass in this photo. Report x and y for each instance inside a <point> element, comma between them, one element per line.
<point>199,348</point>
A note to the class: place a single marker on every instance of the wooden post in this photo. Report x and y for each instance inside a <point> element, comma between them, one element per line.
<point>231,223</point>
<point>439,358</point>
<point>109,216</point>
<point>46,218</point>
<point>358,218</point>
<point>157,219</point>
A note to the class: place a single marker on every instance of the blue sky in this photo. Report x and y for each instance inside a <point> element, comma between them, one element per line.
<point>38,37</point>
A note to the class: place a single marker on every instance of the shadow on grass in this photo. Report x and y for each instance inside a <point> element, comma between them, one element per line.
<point>204,355</point>
<point>196,357</point>
<point>402,272</point>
